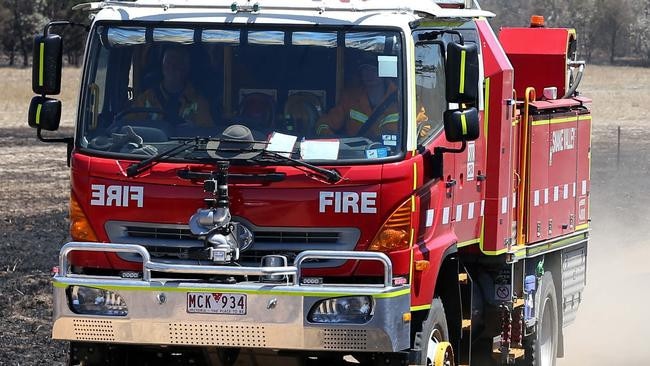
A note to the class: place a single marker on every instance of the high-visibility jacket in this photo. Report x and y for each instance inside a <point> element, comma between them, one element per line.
<point>354,109</point>
<point>189,106</point>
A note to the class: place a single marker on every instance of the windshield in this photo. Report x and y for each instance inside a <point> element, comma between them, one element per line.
<point>320,95</point>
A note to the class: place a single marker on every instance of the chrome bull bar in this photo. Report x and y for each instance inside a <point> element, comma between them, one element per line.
<point>277,314</point>
<point>293,271</point>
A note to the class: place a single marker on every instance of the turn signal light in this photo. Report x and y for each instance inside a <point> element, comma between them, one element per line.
<point>395,234</point>
<point>80,229</point>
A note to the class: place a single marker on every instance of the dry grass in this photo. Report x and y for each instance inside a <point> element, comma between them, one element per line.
<point>17,92</point>
<point>621,95</point>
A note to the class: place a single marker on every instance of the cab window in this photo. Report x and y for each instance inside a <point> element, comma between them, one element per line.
<point>430,90</point>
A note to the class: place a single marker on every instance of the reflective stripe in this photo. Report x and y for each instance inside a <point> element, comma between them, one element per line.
<point>461,88</point>
<point>486,108</point>
<point>38,114</point>
<point>321,128</point>
<point>358,116</point>
<point>468,242</point>
<point>463,122</point>
<point>391,118</point>
<point>41,62</point>
<point>145,287</point>
<point>190,109</point>
<point>420,307</point>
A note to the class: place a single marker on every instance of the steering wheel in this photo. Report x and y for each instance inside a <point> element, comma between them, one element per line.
<point>144,110</point>
<point>160,124</point>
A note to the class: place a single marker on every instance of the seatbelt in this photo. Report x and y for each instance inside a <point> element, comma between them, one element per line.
<point>170,107</point>
<point>374,117</point>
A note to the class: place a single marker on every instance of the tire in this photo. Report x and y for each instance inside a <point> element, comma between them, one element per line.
<point>434,331</point>
<point>541,347</point>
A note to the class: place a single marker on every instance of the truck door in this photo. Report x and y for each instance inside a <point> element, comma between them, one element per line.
<point>469,191</point>
<point>431,104</point>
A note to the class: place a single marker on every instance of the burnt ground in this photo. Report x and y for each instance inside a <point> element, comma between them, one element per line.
<point>33,225</point>
<point>610,326</point>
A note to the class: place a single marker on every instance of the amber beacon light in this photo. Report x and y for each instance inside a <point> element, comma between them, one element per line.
<point>537,21</point>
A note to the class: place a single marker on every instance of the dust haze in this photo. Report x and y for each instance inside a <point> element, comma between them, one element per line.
<point>611,323</point>
<point>609,329</point>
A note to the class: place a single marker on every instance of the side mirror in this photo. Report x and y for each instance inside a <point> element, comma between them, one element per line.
<point>462,73</point>
<point>44,113</point>
<point>47,63</point>
<point>461,125</point>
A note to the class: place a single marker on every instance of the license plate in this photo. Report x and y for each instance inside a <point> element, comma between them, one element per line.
<point>216,303</point>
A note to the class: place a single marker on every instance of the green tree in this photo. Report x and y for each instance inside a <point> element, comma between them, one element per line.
<point>26,19</point>
<point>7,41</point>
<point>640,32</point>
<point>612,23</point>
<point>74,38</point>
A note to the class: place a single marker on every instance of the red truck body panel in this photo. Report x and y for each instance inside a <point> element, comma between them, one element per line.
<point>499,143</point>
<point>539,57</point>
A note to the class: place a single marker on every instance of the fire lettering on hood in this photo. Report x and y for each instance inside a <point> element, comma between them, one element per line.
<point>348,202</point>
<point>118,196</point>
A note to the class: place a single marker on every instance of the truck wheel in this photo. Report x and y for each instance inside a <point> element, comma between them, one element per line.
<point>432,341</point>
<point>541,347</point>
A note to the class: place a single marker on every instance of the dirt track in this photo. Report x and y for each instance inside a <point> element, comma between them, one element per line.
<point>609,328</point>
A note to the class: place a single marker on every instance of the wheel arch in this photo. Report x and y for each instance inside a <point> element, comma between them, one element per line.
<point>448,290</point>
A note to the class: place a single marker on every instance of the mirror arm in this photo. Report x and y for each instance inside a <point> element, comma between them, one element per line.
<point>451,31</point>
<point>46,29</point>
<point>69,141</point>
<point>441,149</point>
<point>437,160</point>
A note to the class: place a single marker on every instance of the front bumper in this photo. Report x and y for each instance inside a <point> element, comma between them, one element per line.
<point>276,313</point>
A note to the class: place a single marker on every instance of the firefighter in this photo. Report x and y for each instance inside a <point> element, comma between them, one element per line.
<point>374,104</point>
<point>175,95</point>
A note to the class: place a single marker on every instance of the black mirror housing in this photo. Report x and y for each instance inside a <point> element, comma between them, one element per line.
<point>462,69</point>
<point>44,113</point>
<point>461,125</point>
<point>47,64</point>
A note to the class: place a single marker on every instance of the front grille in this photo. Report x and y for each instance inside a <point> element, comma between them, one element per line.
<point>174,242</point>
<point>210,334</point>
<point>289,237</point>
<point>159,233</point>
<point>93,330</point>
<point>278,237</point>
<point>345,339</point>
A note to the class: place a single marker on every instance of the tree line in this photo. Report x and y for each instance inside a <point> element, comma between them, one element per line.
<point>609,31</point>
<point>20,20</point>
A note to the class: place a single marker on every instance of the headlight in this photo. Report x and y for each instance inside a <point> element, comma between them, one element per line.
<point>350,309</point>
<point>94,301</point>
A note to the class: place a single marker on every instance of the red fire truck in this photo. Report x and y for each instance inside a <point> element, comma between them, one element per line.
<point>319,181</point>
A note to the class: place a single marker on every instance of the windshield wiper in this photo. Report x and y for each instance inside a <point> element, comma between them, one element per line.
<point>330,175</point>
<point>139,167</point>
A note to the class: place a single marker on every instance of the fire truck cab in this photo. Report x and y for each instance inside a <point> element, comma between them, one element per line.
<point>326,181</point>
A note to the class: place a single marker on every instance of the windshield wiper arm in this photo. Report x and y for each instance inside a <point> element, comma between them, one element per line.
<point>137,168</point>
<point>330,175</point>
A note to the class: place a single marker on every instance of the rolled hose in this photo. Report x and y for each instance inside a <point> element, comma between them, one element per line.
<point>576,82</point>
